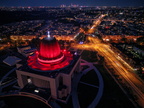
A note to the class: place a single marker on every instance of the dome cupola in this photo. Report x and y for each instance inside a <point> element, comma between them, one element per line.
<point>49,56</point>
<point>49,51</point>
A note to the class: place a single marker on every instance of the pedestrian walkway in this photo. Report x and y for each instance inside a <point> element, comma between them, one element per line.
<point>76,80</point>
<point>100,90</point>
<point>6,84</point>
<point>7,74</point>
<point>89,84</point>
<point>54,104</point>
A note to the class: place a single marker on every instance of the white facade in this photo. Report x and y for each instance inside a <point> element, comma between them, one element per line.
<point>62,79</point>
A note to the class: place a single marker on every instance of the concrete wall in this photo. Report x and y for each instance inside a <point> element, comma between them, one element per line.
<point>38,80</point>
<point>48,82</point>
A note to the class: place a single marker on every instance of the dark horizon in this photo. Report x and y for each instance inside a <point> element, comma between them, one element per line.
<point>53,3</point>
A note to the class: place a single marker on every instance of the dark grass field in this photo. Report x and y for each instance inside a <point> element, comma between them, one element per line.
<point>113,97</point>
<point>22,102</point>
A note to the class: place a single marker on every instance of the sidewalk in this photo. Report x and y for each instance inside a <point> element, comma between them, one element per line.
<point>76,80</point>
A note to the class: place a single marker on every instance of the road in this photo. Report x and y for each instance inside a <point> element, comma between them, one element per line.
<point>96,23</point>
<point>115,61</point>
<point>93,27</point>
<point>119,65</point>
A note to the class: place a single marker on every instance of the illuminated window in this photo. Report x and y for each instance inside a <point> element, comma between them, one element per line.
<point>29,80</point>
<point>37,91</point>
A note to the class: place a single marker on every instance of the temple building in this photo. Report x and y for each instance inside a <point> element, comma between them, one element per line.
<point>50,69</point>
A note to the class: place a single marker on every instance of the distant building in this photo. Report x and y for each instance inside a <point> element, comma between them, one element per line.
<point>11,60</point>
<point>26,50</point>
<point>22,37</point>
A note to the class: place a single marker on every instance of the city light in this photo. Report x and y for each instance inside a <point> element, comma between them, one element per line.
<point>114,60</point>
<point>61,47</point>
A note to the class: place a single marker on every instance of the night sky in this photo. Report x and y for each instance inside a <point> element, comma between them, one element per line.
<point>68,2</point>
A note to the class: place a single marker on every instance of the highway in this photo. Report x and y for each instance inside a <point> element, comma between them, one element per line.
<point>96,23</point>
<point>120,66</point>
<point>115,61</point>
<point>93,27</point>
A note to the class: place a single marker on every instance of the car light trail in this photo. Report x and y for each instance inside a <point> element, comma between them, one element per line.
<point>116,62</point>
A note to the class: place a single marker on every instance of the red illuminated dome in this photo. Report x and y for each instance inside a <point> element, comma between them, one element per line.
<point>49,51</point>
<point>49,56</point>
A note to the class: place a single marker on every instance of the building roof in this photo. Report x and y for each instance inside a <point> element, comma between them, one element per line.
<point>11,60</point>
<point>49,56</point>
<point>52,73</point>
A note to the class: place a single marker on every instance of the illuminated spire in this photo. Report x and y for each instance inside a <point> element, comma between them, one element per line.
<point>48,34</point>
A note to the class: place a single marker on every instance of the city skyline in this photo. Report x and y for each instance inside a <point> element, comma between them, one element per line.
<point>72,57</point>
<point>8,3</point>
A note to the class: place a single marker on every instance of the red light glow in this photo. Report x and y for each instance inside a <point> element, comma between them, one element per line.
<point>49,56</point>
<point>33,62</point>
<point>49,48</point>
